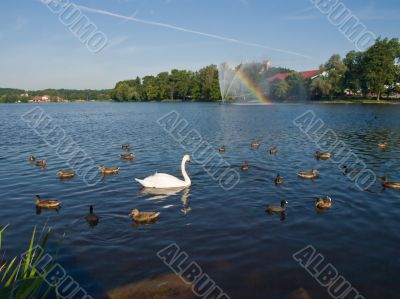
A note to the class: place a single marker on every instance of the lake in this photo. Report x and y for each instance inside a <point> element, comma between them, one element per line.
<point>247,252</point>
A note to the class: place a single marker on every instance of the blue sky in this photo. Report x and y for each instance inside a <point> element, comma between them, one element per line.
<point>37,51</point>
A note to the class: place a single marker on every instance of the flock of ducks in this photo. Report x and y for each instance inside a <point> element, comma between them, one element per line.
<point>321,203</point>
<point>91,218</point>
<point>160,180</point>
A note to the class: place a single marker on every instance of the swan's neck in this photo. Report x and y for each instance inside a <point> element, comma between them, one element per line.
<point>184,173</point>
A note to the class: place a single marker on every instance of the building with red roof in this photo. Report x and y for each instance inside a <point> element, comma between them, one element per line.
<point>306,75</point>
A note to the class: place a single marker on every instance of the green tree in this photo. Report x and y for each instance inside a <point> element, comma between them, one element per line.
<point>150,88</point>
<point>298,87</point>
<point>354,76</point>
<point>336,70</point>
<point>195,88</point>
<point>209,83</point>
<point>280,90</point>
<point>162,80</point>
<point>379,66</point>
<point>320,87</point>
<point>126,91</point>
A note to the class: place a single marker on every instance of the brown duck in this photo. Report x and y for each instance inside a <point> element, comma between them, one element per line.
<point>278,180</point>
<point>245,166</point>
<point>255,145</point>
<point>108,170</point>
<point>47,203</point>
<point>391,185</point>
<point>383,145</point>
<point>144,216</point>
<point>41,163</point>
<point>65,174</point>
<point>273,150</point>
<point>308,175</point>
<point>323,203</point>
<point>126,147</point>
<point>322,156</point>
<point>129,156</point>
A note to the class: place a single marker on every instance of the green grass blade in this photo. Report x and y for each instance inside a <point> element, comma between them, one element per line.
<point>13,275</point>
<point>1,233</point>
<point>29,288</point>
<point>29,255</point>
<point>38,258</point>
<point>8,269</point>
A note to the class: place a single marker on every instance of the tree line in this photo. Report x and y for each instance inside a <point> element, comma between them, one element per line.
<point>11,95</point>
<point>372,73</point>
<point>184,85</point>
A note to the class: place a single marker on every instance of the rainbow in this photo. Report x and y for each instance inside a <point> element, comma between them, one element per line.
<point>253,87</point>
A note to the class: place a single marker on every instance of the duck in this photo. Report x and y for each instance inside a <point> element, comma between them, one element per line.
<point>323,156</point>
<point>348,170</point>
<point>129,156</point>
<point>276,209</point>
<point>391,185</point>
<point>383,145</point>
<point>126,147</point>
<point>308,175</point>
<point>167,181</point>
<point>92,218</point>
<point>41,163</point>
<point>47,203</point>
<point>65,174</point>
<point>245,166</point>
<point>323,203</point>
<point>273,150</point>
<point>222,149</point>
<point>278,180</point>
<point>32,158</point>
<point>144,216</point>
<point>108,170</point>
<point>255,145</point>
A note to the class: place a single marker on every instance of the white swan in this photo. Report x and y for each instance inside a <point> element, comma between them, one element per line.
<point>165,181</point>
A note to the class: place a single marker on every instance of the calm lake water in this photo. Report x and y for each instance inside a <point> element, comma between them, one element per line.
<point>247,252</point>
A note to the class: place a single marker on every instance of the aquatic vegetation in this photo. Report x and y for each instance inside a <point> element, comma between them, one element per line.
<point>18,277</point>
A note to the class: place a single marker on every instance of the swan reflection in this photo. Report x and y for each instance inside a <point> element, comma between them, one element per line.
<point>162,194</point>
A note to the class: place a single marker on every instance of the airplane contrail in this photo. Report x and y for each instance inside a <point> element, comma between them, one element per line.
<point>173,27</point>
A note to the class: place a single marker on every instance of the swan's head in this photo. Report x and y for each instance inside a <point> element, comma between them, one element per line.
<point>186,158</point>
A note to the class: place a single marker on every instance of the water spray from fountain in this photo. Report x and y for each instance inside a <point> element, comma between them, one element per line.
<point>244,83</point>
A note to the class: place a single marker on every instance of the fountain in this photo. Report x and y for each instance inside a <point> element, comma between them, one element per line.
<point>245,83</point>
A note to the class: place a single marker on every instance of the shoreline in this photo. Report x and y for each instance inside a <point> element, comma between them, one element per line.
<point>318,102</point>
